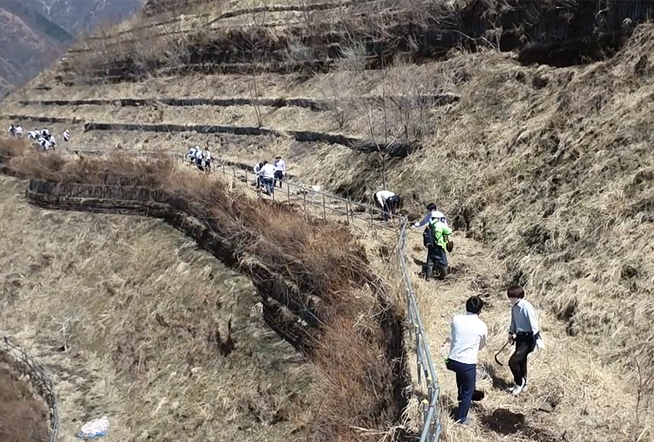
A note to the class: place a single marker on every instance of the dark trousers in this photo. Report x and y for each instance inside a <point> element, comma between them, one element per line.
<point>437,255</point>
<point>466,377</point>
<point>390,206</point>
<point>524,344</point>
<point>268,185</point>
<point>278,177</point>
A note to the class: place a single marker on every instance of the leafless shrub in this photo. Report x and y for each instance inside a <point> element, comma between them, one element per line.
<point>353,56</point>
<point>341,107</point>
<point>298,52</point>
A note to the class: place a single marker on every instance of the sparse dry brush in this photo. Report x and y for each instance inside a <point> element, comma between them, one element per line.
<point>352,331</point>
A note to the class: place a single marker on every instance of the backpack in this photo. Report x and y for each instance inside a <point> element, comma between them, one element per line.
<point>429,238</point>
<point>428,235</point>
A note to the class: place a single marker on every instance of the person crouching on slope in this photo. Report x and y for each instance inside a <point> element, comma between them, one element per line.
<point>525,333</point>
<point>435,238</point>
<point>388,202</point>
<point>468,336</point>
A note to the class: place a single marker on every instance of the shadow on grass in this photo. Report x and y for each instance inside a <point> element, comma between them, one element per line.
<point>504,421</point>
<point>498,382</point>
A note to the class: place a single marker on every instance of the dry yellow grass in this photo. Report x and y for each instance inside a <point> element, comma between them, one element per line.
<point>325,270</point>
<point>134,301</point>
<point>547,170</point>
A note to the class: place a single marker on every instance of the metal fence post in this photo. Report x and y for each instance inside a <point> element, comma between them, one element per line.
<point>288,192</point>
<point>246,176</point>
<point>347,211</point>
<point>324,209</point>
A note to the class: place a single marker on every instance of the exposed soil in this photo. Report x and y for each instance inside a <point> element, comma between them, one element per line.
<point>22,417</point>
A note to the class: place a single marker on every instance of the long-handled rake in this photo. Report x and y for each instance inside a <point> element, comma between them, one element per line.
<point>500,351</point>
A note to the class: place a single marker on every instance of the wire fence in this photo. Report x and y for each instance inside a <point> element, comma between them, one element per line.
<point>427,377</point>
<point>308,197</point>
<point>39,378</point>
<point>312,200</point>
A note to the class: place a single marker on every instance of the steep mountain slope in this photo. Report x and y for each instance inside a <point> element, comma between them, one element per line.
<point>78,16</point>
<point>36,32</point>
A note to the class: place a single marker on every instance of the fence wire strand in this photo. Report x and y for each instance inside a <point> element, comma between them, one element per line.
<point>427,376</point>
<point>39,378</point>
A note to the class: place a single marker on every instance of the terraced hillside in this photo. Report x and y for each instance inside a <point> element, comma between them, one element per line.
<point>119,309</point>
<point>544,170</point>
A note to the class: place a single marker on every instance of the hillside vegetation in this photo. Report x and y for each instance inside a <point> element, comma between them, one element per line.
<point>316,291</point>
<point>544,170</point>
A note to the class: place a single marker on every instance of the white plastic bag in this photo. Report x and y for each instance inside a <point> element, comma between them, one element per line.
<point>95,428</point>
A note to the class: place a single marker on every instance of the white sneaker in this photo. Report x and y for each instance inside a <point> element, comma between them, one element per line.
<point>517,389</point>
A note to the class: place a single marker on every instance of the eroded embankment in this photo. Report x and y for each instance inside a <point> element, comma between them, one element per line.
<point>316,285</point>
<point>22,417</point>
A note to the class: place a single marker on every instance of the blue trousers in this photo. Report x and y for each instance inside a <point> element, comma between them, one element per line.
<point>466,377</point>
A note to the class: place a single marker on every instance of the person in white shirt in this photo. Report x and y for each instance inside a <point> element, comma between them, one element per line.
<point>191,154</point>
<point>280,170</point>
<point>468,336</point>
<point>66,135</point>
<point>388,201</point>
<point>433,213</point>
<point>257,173</point>
<point>45,133</point>
<point>207,159</point>
<point>53,142</point>
<point>198,157</point>
<point>525,333</point>
<point>45,144</point>
<point>18,131</point>
<point>268,177</point>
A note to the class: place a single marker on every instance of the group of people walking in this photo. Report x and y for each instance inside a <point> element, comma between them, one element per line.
<point>269,175</point>
<point>44,138</point>
<point>468,332</point>
<point>468,335</point>
<point>202,158</point>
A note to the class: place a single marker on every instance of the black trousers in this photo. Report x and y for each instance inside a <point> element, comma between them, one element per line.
<point>278,177</point>
<point>524,344</point>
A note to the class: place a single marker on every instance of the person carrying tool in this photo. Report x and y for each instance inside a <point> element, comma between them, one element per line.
<point>468,336</point>
<point>388,201</point>
<point>524,332</point>
<point>436,238</point>
<point>433,213</point>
